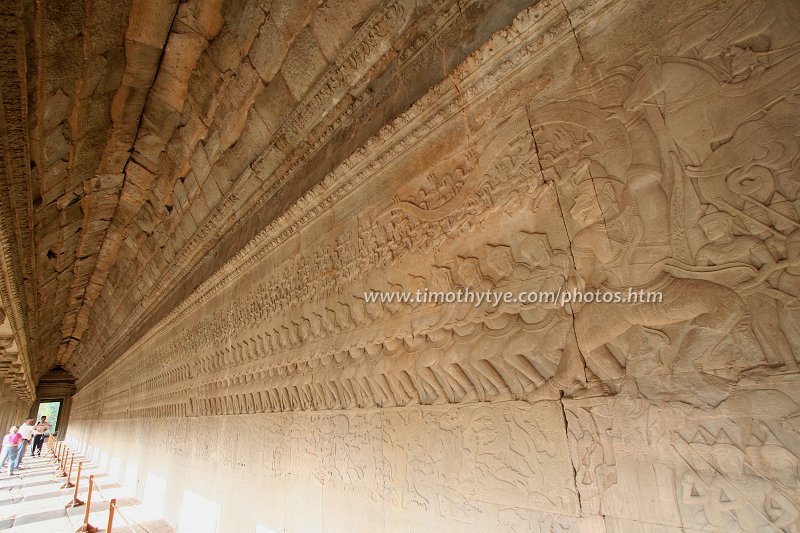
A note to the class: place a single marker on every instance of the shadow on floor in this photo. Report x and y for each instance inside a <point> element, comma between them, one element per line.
<point>155,526</point>
<point>61,493</point>
<point>26,485</point>
<point>38,517</point>
<point>46,482</point>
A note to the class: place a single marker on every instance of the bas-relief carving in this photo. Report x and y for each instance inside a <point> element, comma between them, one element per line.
<point>508,449</point>
<point>675,172</point>
<point>698,205</point>
<point>640,210</point>
<point>487,464</point>
<point>359,357</point>
<point>731,469</point>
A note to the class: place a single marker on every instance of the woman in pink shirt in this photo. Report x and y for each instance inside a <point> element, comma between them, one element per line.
<point>10,448</point>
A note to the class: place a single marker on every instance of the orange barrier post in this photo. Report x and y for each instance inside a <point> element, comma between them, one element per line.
<point>61,470</point>
<point>87,527</point>
<point>111,505</point>
<point>68,483</point>
<point>54,449</point>
<point>75,502</point>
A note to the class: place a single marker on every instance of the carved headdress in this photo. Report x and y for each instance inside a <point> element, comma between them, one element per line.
<point>584,127</point>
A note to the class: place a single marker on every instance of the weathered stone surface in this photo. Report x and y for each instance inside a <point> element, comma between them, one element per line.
<point>304,64</point>
<point>209,190</point>
<point>374,467</point>
<point>268,50</point>
<point>334,23</point>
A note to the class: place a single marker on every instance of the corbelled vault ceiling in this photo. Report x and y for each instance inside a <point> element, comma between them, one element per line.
<point>147,141</point>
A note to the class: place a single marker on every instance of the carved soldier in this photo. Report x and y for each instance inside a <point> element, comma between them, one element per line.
<point>610,232</point>
<point>725,248</point>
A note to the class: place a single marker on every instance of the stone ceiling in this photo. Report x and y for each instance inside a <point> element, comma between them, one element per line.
<point>145,142</point>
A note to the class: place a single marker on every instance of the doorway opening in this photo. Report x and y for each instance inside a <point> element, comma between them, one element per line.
<point>50,409</point>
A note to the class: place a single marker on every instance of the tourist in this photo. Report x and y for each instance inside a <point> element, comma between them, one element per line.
<point>10,449</point>
<point>40,431</point>
<point>26,430</point>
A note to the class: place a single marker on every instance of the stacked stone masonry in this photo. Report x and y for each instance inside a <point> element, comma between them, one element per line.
<point>293,156</point>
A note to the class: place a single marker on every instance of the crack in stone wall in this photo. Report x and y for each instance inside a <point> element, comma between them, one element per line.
<point>538,163</point>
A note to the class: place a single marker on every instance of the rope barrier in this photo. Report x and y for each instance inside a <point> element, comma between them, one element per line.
<point>60,450</point>
<point>75,502</point>
<point>113,502</point>
<point>86,527</point>
<point>111,506</point>
<point>68,484</point>
<point>61,469</point>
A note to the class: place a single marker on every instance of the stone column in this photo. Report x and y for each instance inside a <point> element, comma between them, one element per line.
<point>6,407</point>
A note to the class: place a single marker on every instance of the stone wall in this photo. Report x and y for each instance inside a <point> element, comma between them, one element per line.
<point>590,145</point>
<point>17,378</point>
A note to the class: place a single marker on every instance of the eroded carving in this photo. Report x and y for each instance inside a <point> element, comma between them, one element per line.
<point>671,171</point>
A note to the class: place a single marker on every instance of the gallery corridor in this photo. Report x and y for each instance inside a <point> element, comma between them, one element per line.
<point>32,500</point>
<point>403,266</point>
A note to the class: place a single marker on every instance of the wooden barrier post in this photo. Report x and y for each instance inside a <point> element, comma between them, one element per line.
<point>87,527</point>
<point>61,470</point>
<point>111,505</point>
<point>75,502</point>
<point>68,483</point>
